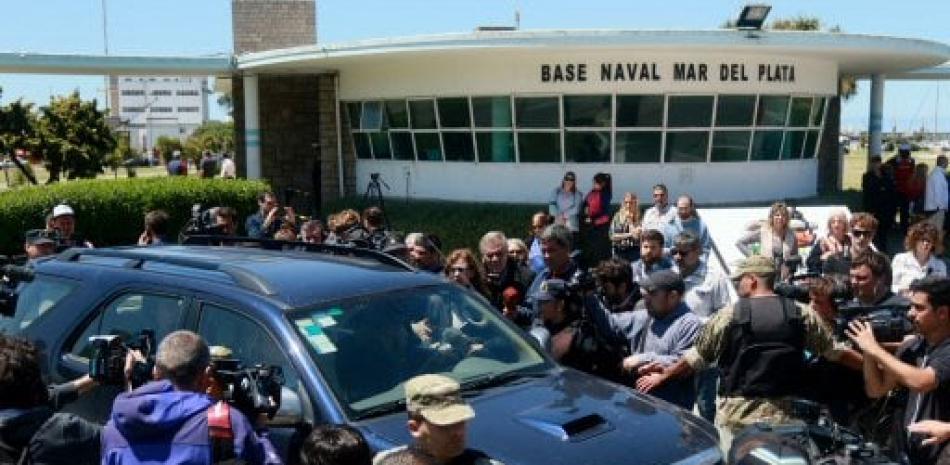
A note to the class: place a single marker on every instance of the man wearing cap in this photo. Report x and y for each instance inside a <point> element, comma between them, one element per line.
<point>658,336</point>
<point>39,243</point>
<point>438,421</point>
<point>63,220</point>
<point>758,344</point>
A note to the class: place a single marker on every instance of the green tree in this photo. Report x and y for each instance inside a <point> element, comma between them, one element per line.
<point>216,136</point>
<point>18,131</point>
<point>74,138</point>
<point>166,146</point>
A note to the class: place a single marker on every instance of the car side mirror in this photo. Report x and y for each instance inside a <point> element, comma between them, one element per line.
<point>290,413</point>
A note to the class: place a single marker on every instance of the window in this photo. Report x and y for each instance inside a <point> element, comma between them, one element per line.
<point>128,314</point>
<point>640,111</point>
<point>35,299</point>
<point>495,146</point>
<point>458,146</point>
<point>362,145</point>
<point>639,147</point>
<point>811,144</point>
<point>161,109</point>
<point>794,143</point>
<point>249,342</point>
<point>492,112</point>
<point>731,145</point>
<point>800,113</point>
<point>539,147</point>
<point>133,109</point>
<point>380,143</point>
<point>133,92</point>
<point>192,93</point>
<point>587,147</point>
<point>686,146</point>
<point>690,111</point>
<point>354,111</point>
<point>401,145</point>
<point>422,114</point>
<point>371,116</point>
<point>161,92</point>
<point>188,109</point>
<point>453,113</point>
<point>772,110</point>
<point>766,145</point>
<point>735,110</point>
<point>427,146</point>
<point>588,111</point>
<point>537,112</point>
<point>818,111</point>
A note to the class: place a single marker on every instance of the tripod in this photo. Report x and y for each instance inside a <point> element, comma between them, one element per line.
<point>374,194</point>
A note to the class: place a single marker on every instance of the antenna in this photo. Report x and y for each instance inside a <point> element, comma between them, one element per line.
<point>517,18</point>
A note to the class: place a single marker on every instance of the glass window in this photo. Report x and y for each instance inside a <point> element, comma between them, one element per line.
<point>396,114</point>
<point>34,299</point>
<point>495,146</point>
<point>372,118</point>
<point>423,114</point>
<point>248,341</point>
<point>587,110</point>
<point>731,145</point>
<point>639,147</point>
<point>537,112</point>
<point>453,112</point>
<point>401,145</point>
<point>801,111</point>
<point>492,112</point>
<point>127,315</point>
<point>766,145</point>
<point>811,144</point>
<point>794,142</point>
<point>772,110</point>
<point>587,147</point>
<point>362,145</point>
<point>640,111</point>
<point>458,146</point>
<point>427,146</point>
<point>380,141</point>
<point>818,111</point>
<point>539,147</point>
<point>690,111</point>
<point>686,147</point>
<point>353,110</point>
<point>735,110</point>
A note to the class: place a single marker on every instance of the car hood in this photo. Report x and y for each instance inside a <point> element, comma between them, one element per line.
<point>569,418</point>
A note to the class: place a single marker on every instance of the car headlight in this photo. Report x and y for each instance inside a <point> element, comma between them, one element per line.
<point>711,456</point>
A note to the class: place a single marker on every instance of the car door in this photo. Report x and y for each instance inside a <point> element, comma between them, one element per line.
<point>251,343</point>
<point>125,314</point>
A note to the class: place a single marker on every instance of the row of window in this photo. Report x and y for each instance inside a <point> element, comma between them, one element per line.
<point>161,109</point>
<point>140,92</point>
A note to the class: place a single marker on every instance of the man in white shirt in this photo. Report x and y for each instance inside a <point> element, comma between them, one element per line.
<point>228,170</point>
<point>661,213</point>
<point>935,200</point>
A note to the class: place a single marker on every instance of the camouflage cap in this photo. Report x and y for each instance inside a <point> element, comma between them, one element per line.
<point>436,398</point>
<point>754,264</point>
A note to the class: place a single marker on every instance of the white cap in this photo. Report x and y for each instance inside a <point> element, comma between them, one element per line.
<point>63,210</point>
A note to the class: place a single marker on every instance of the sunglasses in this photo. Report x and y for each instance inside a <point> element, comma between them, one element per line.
<point>683,252</point>
<point>459,269</point>
<point>861,233</point>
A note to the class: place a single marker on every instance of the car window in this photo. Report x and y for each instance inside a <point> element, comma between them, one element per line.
<point>130,313</point>
<point>248,341</point>
<point>367,347</point>
<point>36,298</point>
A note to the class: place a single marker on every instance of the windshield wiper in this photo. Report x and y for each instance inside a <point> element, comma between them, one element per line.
<point>502,379</point>
<point>382,409</point>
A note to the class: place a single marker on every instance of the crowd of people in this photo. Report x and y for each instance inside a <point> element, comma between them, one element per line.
<point>634,296</point>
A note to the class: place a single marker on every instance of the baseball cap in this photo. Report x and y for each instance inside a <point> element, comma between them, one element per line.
<point>63,210</point>
<point>570,176</point>
<point>550,289</point>
<point>40,236</point>
<point>754,264</point>
<point>436,398</point>
<point>665,280</point>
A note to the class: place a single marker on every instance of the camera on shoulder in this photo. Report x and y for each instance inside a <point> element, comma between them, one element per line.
<point>107,362</point>
<point>252,390</point>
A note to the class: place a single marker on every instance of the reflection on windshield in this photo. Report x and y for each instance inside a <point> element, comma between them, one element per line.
<point>368,346</point>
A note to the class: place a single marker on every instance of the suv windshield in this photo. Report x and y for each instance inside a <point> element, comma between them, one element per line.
<point>367,347</point>
<point>34,299</point>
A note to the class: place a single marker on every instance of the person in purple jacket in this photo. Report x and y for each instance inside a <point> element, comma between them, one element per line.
<point>166,421</point>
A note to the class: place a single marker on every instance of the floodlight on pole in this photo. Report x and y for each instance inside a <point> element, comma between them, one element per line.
<point>753,17</point>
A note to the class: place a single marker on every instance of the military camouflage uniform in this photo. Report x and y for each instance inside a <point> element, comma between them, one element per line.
<point>735,413</point>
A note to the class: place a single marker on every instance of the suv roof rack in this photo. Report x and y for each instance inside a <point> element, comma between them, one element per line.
<point>273,244</point>
<point>241,277</point>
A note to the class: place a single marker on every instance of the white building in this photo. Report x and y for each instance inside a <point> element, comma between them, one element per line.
<point>155,106</point>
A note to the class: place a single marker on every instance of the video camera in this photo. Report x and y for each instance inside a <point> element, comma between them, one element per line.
<point>888,322</point>
<point>252,390</point>
<point>202,222</point>
<point>796,287</point>
<point>107,363</point>
<point>12,273</point>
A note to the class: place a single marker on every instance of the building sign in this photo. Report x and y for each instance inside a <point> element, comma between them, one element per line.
<point>676,72</point>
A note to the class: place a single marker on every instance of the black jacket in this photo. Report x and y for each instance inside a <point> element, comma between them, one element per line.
<point>48,437</point>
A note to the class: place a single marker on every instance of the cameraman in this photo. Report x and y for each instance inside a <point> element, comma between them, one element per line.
<point>269,218</point>
<point>921,365</point>
<point>871,281</point>
<point>31,431</point>
<point>168,420</point>
<point>225,221</point>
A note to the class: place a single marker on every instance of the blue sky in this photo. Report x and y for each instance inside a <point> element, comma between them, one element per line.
<point>203,27</point>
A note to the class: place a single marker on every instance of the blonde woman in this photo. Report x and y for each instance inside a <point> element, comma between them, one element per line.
<point>775,239</point>
<point>625,229</point>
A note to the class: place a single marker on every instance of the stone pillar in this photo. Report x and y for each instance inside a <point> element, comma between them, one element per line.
<point>876,118</point>
<point>252,128</point>
<point>260,25</point>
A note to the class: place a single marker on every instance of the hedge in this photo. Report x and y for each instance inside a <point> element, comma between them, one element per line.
<point>110,212</point>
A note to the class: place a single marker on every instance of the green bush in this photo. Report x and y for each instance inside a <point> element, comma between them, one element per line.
<point>110,212</point>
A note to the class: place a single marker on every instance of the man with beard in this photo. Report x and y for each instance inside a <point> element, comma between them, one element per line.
<point>616,287</point>
<point>651,256</point>
<point>501,272</point>
<point>556,250</point>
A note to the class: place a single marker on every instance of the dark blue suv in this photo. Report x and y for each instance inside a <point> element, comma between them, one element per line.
<point>348,327</point>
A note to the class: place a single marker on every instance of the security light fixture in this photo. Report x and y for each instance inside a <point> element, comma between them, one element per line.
<point>753,17</point>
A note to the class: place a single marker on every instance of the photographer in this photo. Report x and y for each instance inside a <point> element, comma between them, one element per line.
<point>31,431</point>
<point>39,243</point>
<point>156,229</point>
<point>269,218</point>
<point>168,420</point>
<point>225,221</point>
<point>921,365</point>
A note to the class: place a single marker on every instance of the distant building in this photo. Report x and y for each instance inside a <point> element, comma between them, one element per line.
<point>154,106</point>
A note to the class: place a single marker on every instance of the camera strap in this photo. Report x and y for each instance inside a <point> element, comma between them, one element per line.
<point>220,432</point>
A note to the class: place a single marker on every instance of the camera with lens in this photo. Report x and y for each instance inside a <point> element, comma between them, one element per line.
<point>12,273</point>
<point>889,323</point>
<point>797,287</point>
<point>252,390</point>
<point>202,222</point>
<point>107,362</point>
